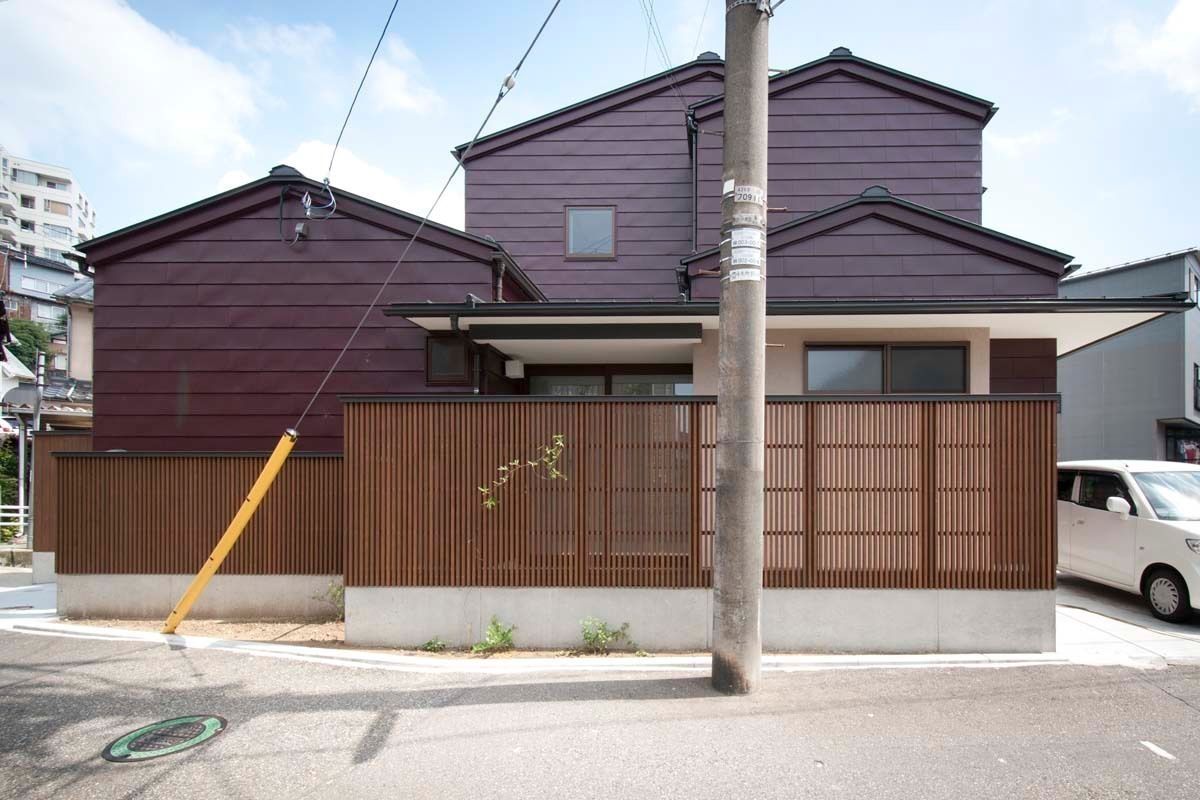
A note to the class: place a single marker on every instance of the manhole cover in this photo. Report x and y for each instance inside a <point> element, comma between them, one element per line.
<point>164,738</point>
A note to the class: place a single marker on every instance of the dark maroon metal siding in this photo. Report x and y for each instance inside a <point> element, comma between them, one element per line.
<point>832,138</point>
<point>214,339</point>
<point>1024,365</point>
<point>634,157</point>
<point>875,257</point>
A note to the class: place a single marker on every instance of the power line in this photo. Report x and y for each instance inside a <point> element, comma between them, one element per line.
<point>700,30</point>
<point>357,91</point>
<point>509,82</point>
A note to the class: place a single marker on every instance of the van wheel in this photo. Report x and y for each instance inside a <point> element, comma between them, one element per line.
<point>1167,595</point>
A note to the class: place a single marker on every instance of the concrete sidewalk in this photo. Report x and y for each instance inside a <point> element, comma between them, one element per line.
<point>1112,631</point>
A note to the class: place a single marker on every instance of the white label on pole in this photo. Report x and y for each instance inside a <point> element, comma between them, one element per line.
<point>748,219</point>
<point>746,255</point>
<point>728,187</point>
<point>749,194</point>
<point>751,274</point>
<point>746,237</point>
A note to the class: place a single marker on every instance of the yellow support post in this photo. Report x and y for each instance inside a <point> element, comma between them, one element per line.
<point>238,524</point>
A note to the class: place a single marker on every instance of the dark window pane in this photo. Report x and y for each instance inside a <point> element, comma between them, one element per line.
<point>1096,487</point>
<point>567,385</point>
<point>845,369</point>
<point>447,359</point>
<point>652,385</point>
<point>1066,481</point>
<point>929,369</point>
<point>590,231</point>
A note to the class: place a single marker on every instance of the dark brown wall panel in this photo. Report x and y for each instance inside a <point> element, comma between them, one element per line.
<point>1024,366</point>
<point>216,339</point>
<point>162,514</point>
<point>635,157</point>
<point>45,481</point>
<point>912,494</point>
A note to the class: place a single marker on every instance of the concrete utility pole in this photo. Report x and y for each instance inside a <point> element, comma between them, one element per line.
<point>741,386</point>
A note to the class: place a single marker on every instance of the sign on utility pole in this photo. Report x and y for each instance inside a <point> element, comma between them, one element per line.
<point>741,385</point>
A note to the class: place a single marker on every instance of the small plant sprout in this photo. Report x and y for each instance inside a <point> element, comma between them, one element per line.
<point>496,638</point>
<point>598,637</point>
<point>434,645</point>
<point>544,465</point>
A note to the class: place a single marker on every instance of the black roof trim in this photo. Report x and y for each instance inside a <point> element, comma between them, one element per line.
<point>869,196</point>
<point>466,397</point>
<point>783,308</point>
<point>282,174</point>
<point>841,54</point>
<point>701,60</point>
<point>287,175</point>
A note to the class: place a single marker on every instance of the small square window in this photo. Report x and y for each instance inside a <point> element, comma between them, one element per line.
<point>448,361</point>
<point>591,231</point>
<point>915,370</point>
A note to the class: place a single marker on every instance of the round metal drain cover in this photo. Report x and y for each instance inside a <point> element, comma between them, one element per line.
<point>164,738</point>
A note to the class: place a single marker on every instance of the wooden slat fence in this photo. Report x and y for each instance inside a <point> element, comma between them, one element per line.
<point>130,513</point>
<point>45,481</point>
<point>895,493</point>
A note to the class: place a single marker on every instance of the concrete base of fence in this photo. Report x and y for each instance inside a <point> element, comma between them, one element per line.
<point>233,597</point>
<point>43,567</point>
<point>794,620</point>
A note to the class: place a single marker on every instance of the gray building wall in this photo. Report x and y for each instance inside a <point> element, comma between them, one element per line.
<point>1117,392</point>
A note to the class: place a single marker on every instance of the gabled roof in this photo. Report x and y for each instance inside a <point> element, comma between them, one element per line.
<point>841,60</point>
<point>877,201</point>
<point>267,190</point>
<point>706,64</point>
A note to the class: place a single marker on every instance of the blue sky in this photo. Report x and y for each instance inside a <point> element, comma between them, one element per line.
<point>156,104</point>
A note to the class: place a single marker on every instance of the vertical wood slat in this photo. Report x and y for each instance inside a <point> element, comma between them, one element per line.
<point>139,514</point>
<point>45,481</point>
<point>870,493</point>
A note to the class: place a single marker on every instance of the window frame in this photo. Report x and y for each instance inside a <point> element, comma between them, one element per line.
<point>1083,475</point>
<point>466,378</point>
<point>567,254</point>
<point>607,371</point>
<point>1196,386</point>
<point>886,348</point>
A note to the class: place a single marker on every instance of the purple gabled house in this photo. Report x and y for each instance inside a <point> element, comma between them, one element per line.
<point>910,371</point>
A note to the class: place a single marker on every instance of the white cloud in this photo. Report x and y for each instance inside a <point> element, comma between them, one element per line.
<point>354,174</point>
<point>99,69</point>
<point>395,82</point>
<point>296,41</point>
<point>1025,144</point>
<point>235,177</point>
<point>1171,51</point>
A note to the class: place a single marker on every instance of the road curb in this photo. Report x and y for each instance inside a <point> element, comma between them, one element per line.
<point>366,659</point>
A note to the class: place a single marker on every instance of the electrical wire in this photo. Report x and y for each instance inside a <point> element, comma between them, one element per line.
<point>358,91</point>
<point>700,30</point>
<point>509,82</point>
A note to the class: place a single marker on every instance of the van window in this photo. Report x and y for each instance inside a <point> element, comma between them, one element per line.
<point>1096,487</point>
<point>1066,482</point>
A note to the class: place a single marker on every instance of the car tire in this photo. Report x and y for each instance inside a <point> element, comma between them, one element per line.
<point>1167,595</point>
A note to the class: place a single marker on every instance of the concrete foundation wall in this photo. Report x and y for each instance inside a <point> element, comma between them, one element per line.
<point>798,620</point>
<point>237,597</point>
<point>43,567</point>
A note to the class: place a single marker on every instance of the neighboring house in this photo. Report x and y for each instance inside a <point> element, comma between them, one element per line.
<point>51,212</point>
<point>12,373</point>
<point>79,299</point>
<point>1135,395</point>
<point>910,375</point>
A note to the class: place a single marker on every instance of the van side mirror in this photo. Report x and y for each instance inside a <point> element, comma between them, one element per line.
<point>1118,505</point>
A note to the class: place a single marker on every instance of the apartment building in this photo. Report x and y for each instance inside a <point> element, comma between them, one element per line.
<point>43,210</point>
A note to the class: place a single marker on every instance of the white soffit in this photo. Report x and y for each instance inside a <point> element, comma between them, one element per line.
<point>1072,329</point>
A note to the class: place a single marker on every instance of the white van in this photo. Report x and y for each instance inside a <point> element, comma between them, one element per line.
<point>1134,525</point>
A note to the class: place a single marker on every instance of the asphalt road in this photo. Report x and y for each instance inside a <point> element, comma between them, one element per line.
<point>299,730</point>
